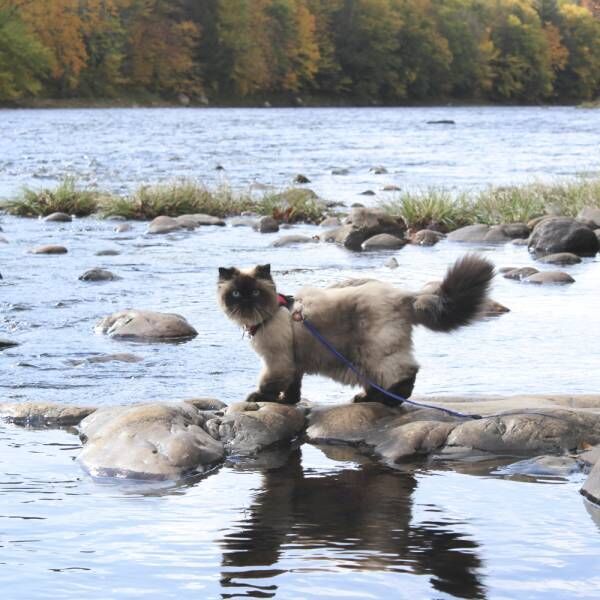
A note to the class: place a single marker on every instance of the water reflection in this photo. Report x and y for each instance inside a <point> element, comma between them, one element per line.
<point>353,518</point>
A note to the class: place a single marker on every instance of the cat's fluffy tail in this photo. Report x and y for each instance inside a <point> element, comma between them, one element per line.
<point>458,299</point>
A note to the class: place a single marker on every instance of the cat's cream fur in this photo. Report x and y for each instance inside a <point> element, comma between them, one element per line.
<point>370,322</point>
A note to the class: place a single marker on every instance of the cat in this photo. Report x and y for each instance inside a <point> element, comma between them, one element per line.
<point>368,321</point>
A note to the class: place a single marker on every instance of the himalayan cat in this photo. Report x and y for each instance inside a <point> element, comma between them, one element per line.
<point>370,322</point>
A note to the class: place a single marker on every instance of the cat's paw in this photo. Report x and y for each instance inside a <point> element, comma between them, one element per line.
<point>260,397</point>
<point>361,397</point>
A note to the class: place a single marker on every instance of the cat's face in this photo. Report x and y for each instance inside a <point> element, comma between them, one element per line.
<point>247,296</point>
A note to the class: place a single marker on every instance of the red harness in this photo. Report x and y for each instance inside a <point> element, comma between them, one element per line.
<point>282,300</point>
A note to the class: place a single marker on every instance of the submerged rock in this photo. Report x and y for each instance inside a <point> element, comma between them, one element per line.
<point>560,258</point>
<point>98,274</point>
<point>427,237</point>
<point>49,249</point>
<point>266,225</point>
<point>163,224</point>
<point>58,217</point>
<point>520,273</point>
<point>6,343</point>
<point>292,240</point>
<point>563,234</point>
<point>108,252</point>
<point>43,414</point>
<point>148,441</point>
<point>384,241</point>
<point>146,325</point>
<point>546,277</point>
<point>122,228</point>
<point>125,357</point>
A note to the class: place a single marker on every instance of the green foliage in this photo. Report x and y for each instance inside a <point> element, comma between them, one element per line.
<point>293,205</point>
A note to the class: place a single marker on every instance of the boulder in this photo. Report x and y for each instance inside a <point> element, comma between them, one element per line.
<point>292,240</point>
<point>246,428</point>
<point>330,222</point>
<point>427,237</point>
<point>590,215</point>
<point>367,193</point>
<point>520,274</point>
<point>266,225</point>
<point>301,179</point>
<point>243,222</point>
<point>563,234</point>
<point>545,277</point>
<point>163,224</point>
<point>43,414</point>
<point>148,441</point>
<point>199,220</point>
<point>364,223</point>
<point>206,404</point>
<point>516,231</point>
<point>58,217</point>
<point>146,325</point>
<point>560,258</point>
<point>123,228</point>
<point>383,241</point>
<point>98,274</point>
<point>49,249</point>
<point>591,487</point>
<point>479,233</point>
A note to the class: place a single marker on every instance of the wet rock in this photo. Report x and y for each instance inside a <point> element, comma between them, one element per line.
<point>563,234</point>
<point>367,193</point>
<point>301,179</point>
<point>6,343</point>
<point>442,122</point>
<point>163,224</point>
<point>108,252</point>
<point>516,231</point>
<point>560,258</point>
<point>384,241</point>
<point>243,222</point>
<point>364,223</point>
<point>479,233</point>
<point>248,427</point>
<point>544,466</point>
<point>590,215</point>
<point>98,274</point>
<point>378,170</point>
<point>520,242</point>
<point>330,222</point>
<point>520,274</point>
<point>292,240</point>
<point>123,228</point>
<point>267,225</point>
<point>206,404</point>
<point>546,277</point>
<point>390,188</point>
<point>392,263</point>
<point>427,237</point>
<point>199,220</point>
<point>43,414</point>
<point>3,240</point>
<point>148,441</point>
<point>340,172</point>
<point>49,249</point>
<point>58,217</point>
<point>125,357</point>
<point>350,423</point>
<point>591,487</point>
<point>146,325</point>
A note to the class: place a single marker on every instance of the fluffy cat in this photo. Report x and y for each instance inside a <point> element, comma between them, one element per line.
<point>370,322</point>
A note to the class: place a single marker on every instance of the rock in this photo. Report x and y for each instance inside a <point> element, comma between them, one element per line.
<point>520,242</point>
<point>6,343</point>
<point>267,225</point>
<point>248,427</point>
<point>520,274</point>
<point>125,357</point>
<point>199,220</point>
<point>292,240</point>
<point>122,228</point>
<point>442,122</point>
<point>516,231</point>
<point>392,263</point>
<point>545,277</point>
<point>3,240</point>
<point>330,222</point>
<point>560,258</point>
<point>390,188</point>
<point>183,99</point>
<point>493,309</point>
<point>590,215</point>
<point>533,222</point>
<point>563,234</point>
<point>203,100</point>
<point>479,233</point>
<point>108,252</point>
<point>98,274</point>
<point>378,170</point>
<point>146,325</point>
<point>367,193</point>
<point>219,168</point>
<point>148,441</point>
<point>364,223</point>
<point>43,414</point>
<point>427,237</point>
<point>348,423</point>
<point>301,179</point>
<point>49,249</point>
<point>383,241</point>
<point>163,224</point>
<point>340,172</point>
<point>58,217</point>
<point>543,466</point>
<point>243,222</point>
<point>591,487</point>
<point>206,404</point>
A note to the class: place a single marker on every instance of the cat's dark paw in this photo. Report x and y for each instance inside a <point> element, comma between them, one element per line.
<point>361,397</point>
<point>260,397</point>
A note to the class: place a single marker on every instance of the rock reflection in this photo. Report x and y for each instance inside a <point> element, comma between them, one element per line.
<point>352,518</point>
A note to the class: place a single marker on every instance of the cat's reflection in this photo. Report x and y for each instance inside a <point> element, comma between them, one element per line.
<point>355,518</point>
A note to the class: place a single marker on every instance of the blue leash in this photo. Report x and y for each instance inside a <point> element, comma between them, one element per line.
<point>325,342</point>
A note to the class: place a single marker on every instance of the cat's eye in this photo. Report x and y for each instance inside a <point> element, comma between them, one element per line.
<point>256,292</point>
<point>235,294</point>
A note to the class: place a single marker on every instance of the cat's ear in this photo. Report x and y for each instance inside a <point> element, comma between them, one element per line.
<point>262,272</point>
<point>227,274</point>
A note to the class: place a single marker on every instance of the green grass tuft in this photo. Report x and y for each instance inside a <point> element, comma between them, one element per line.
<point>293,205</point>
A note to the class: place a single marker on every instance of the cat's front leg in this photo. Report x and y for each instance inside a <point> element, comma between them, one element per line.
<point>271,385</point>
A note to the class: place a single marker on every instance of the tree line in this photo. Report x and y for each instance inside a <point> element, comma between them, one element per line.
<point>367,51</point>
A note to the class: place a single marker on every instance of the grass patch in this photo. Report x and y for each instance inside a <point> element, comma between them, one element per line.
<point>293,205</point>
<point>67,197</point>
<point>495,205</point>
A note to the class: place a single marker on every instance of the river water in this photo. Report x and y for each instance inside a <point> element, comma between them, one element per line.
<point>312,522</point>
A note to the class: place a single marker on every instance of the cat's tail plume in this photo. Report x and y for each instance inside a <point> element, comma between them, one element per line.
<point>458,299</point>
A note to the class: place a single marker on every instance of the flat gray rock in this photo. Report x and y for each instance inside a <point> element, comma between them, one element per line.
<point>49,249</point>
<point>384,241</point>
<point>544,466</point>
<point>148,441</point>
<point>249,427</point>
<point>427,237</point>
<point>549,277</point>
<point>560,258</point>
<point>591,487</point>
<point>43,414</point>
<point>163,224</point>
<point>266,225</point>
<point>293,240</point>
<point>479,233</point>
<point>199,220</point>
<point>58,217</point>
<point>146,325</point>
<point>98,274</point>
<point>125,357</point>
